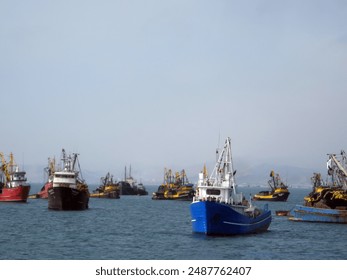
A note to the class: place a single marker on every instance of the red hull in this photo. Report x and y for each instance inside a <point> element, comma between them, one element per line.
<point>16,194</point>
<point>44,191</point>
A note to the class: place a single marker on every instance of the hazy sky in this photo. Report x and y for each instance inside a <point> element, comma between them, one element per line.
<point>157,83</point>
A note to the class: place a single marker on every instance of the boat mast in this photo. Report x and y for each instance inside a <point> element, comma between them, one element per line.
<point>11,163</point>
<point>64,160</point>
<point>337,170</point>
<point>4,168</point>
<point>79,172</point>
<point>223,169</point>
<point>74,161</point>
<point>272,181</point>
<point>204,172</point>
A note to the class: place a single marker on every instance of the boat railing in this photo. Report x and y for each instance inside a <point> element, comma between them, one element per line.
<point>219,199</point>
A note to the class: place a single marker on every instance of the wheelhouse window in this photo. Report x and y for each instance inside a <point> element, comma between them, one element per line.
<point>64,176</point>
<point>213,192</point>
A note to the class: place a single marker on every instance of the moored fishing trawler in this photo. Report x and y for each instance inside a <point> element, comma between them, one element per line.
<point>69,191</point>
<point>175,187</point>
<point>279,190</point>
<point>141,189</point>
<point>130,187</point>
<point>13,183</point>
<point>327,202</point>
<point>107,189</point>
<point>218,208</point>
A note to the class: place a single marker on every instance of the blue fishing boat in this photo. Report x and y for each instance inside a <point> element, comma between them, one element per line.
<point>327,203</point>
<point>218,208</point>
<point>313,214</point>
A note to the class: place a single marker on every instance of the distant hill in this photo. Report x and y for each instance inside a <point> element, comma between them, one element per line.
<point>257,175</point>
<point>260,174</point>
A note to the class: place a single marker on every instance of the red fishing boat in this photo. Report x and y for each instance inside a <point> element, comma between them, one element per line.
<point>43,193</point>
<point>13,183</point>
<point>49,171</point>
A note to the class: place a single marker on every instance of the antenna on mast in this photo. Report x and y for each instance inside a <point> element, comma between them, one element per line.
<point>218,147</point>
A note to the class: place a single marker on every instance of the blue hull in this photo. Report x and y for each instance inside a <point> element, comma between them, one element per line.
<point>320,215</point>
<point>213,218</point>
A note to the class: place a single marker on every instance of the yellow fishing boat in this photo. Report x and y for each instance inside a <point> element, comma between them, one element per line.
<point>175,187</point>
<point>327,195</point>
<point>107,188</point>
<point>327,203</point>
<point>279,191</point>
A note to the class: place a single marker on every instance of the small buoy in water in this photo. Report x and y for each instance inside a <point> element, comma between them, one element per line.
<point>282,213</point>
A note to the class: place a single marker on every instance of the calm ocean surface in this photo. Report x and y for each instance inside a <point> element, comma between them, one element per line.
<point>137,227</point>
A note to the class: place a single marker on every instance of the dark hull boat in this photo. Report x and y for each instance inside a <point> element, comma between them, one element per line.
<point>69,192</point>
<point>126,189</point>
<point>141,190</point>
<point>130,187</point>
<point>62,198</point>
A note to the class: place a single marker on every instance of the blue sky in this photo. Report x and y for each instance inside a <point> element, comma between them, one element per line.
<point>156,84</point>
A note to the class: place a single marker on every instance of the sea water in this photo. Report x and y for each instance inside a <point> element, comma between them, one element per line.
<point>137,227</point>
